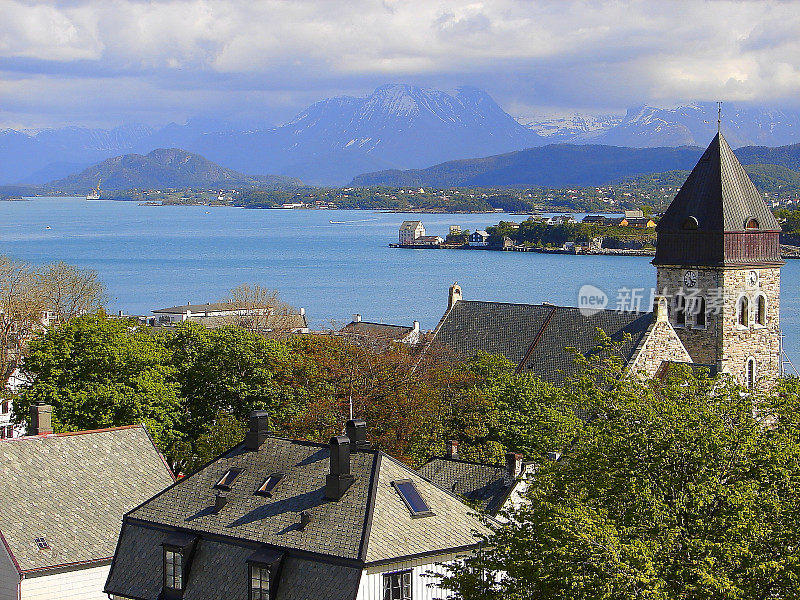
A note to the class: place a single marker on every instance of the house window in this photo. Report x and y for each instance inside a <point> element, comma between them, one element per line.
<point>743,310</point>
<point>259,582</point>
<point>269,485</point>
<point>761,310</point>
<point>751,373</point>
<point>4,407</point>
<point>680,311</point>
<point>397,586</point>
<point>751,224</point>
<point>173,569</point>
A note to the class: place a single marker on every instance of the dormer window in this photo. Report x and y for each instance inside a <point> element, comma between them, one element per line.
<point>412,498</point>
<point>178,550</point>
<point>269,485</point>
<point>262,569</point>
<point>259,581</point>
<point>690,223</point>
<point>226,481</point>
<point>751,224</point>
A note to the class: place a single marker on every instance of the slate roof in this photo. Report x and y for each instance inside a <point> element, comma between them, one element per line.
<point>533,336</point>
<point>719,194</point>
<point>369,524</point>
<point>73,490</point>
<point>480,483</point>
<point>377,330</point>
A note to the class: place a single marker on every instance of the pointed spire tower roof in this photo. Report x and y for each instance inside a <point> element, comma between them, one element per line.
<point>718,217</point>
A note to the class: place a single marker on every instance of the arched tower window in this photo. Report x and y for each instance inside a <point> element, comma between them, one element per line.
<point>699,310</point>
<point>680,310</point>
<point>743,310</point>
<point>761,310</point>
<point>751,373</point>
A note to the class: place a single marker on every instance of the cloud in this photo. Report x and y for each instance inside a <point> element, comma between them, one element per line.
<point>172,57</point>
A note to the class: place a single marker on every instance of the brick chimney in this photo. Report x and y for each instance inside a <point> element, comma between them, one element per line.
<point>455,295</point>
<point>339,479</point>
<point>452,449</point>
<point>513,468</point>
<point>41,422</point>
<point>259,430</point>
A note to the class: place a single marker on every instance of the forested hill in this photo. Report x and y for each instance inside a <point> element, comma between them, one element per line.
<point>163,168</point>
<point>564,165</point>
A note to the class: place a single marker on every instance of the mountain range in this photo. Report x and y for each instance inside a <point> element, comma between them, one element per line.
<point>160,169</point>
<point>565,165</point>
<point>394,127</point>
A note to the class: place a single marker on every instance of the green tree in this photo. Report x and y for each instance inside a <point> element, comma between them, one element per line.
<point>98,372</point>
<point>671,489</point>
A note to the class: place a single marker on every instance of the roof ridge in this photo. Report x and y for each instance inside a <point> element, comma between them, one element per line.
<point>43,436</point>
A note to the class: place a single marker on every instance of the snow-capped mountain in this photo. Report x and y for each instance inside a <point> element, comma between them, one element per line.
<point>397,126</point>
<point>692,124</point>
<point>558,128</point>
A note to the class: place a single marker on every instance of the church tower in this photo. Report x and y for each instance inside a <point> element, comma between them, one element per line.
<point>718,259</point>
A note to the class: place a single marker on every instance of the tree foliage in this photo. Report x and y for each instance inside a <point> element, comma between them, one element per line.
<point>670,489</point>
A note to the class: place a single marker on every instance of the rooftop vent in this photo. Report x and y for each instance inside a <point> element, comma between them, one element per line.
<point>220,500</point>
<point>305,519</point>
<point>339,480</point>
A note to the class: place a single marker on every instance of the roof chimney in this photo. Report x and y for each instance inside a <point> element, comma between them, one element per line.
<point>513,468</point>
<point>356,318</point>
<point>356,430</point>
<point>305,519</point>
<point>220,500</point>
<point>455,295</point>
<point>452,449</point>
<point>259,429</point>
<point>416,326</point>
<point>339,480</point>
<point>41,422</point>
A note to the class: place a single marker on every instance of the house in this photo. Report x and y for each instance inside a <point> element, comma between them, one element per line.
<point>261,317</point>
<point>491,488</point>
<point>633,214</point>
<point>718,272</point>
<point>64,496</point>
<point>594,219</point>
<point>293,520</point>
<point>381,332</point>
<point>425,241</point>
<point>7,429</point>
<point>560,220</point>
<point>410,231</point>
<point>641,222</point>
<point>535,336</point>
<point>479,238</point>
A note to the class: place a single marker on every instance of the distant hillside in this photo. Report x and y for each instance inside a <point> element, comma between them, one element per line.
<point>563,165</point>
<point>163,168</point>
<point>557,165</point>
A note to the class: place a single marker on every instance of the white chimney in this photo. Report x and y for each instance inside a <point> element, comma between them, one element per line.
<point>356,318</point>
<point>416,326</point>
<point>513,468</point>
<point>455,295</point>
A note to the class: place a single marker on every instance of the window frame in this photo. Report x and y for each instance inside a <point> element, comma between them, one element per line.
<point>223,483</point>
<point>262,568</point>
<point>170,580</point>
<point>405,585</point>
<point>761,310</point>
<point>699,312</point>
<point>680,310</point>
<point>415,514</point>
<point>750,373</point>
<point>268,492</point>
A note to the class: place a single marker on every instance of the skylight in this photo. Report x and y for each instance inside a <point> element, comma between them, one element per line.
<point>228,478</point>
<point>411,496</point>
<point>269,485</point>
<point>42,543</point>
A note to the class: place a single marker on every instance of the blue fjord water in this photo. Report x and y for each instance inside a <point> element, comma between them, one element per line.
<point>153,257</point>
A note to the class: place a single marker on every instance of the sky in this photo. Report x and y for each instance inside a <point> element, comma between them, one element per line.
<point>109,62</point>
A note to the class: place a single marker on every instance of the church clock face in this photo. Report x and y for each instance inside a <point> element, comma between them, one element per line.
<point>752,278</point>
<point>690,279</point>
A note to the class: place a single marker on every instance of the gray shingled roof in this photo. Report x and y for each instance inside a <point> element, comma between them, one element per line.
<point>369,524</point>
<point>480,483</point>
<point>377,330</point>
<point>719,194</point>
<point>219,571</point>
<point>73,490</point>
<point>533,336</point>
